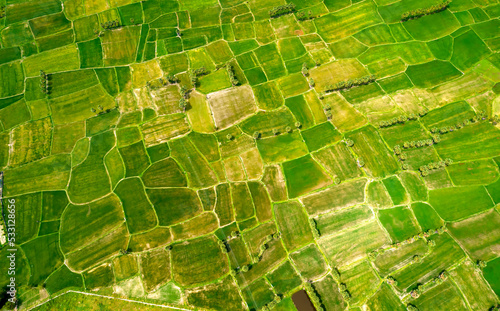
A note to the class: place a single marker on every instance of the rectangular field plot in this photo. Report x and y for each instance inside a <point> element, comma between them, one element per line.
<point>442,297</point>
<point>394,259</point>
<point>479,235</point>
<point>361,281</point>
<point>472,285</point>
<point>352,245</point>
<point>338,161</point>
<point>446,253</point>
<point>459,202</point>
<point>294,226</point>
<point>480,172</point>
<point>338,25</point>
<point>368,144</point>
<point>331,223</point>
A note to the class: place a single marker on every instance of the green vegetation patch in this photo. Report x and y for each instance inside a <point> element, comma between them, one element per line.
<point>155,268</point>
<point>30,142</point>
<point>282,147</point>
<point>468,49</point>
<point>445,253</point>
<point>284,278</point>
<point>336,197</point>
<point>164,173</point>
<point>329,293</point>
<point>451,298</point>
<point>368,145</point>
<point>304,175</point>
<point>353,244</point>
<point>270,60</point>
<point>258,294</point>
<point>394,259</point>
<point>62,59</point>
<point>174,205</point>
<point>99,277</point>
<point>459,202</point>
<point>398,221</point>
<point>320,136</point>
<point>479,235</point>
<point>332,223</point>
<point>341,24</point>
<point>11,77</point>
<point>43,256</point>
<point>432,73</point>
<point>429,27</point>
<point>139,213</point>
<point>426,216</point>
<point>125,266</point>
<point>198,261</point>
<point>309,261</point>
<point>51,173</point>
<point>361,281</point>
<point>414,185</point>
<point>385,299</point>
<point>478,172</point>
<point>265,122</point>
<point>492,275</point>
<point>473,286</point>
<point>293,223</point>
<point>89,180</point>
<point>196,168</point>
<point>396,190</point>
<point>219,295</point>
<point>82,224</point>
<point>63,279</point>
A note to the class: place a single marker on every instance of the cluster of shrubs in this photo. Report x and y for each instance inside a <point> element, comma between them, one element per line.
<point>391,281</point>
<point>481,264</point>
<point>265,245</point>
<point>411,307</point>
<point>427,11</point>
<point>301,16</point>
<point>223,246</point>
<point>328,112</point>
<point>397,120</point>
<point>183,101</point>
<point>2,11</point>
<point>424,169</point>
<point>243,269</point>
<point>195,73</point>
<point>272,304</point>
<point>349,142</point>
<point>232,76</point>
<point>350,83</point>
<point>495,308</point>
<point>111,24</point>
<point>415,293</point>
<point>305,70</point>
<point>316,300</point>
<point>282,10</point>
<point>44,82</point>
<point>346,295</point>
<point>361,162</point>
<point>101,110</point>
<point>314,228</point>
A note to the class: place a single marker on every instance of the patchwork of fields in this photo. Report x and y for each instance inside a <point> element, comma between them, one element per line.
<point>203,155</point>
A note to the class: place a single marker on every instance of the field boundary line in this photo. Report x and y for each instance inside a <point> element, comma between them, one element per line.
<point>109,297</point>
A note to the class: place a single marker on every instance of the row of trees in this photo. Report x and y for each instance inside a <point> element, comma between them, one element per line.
<point>421,288</point>
<point>424,169</point>
<point>413,14</point>
<point>422,235</point>
<point>195,73</point>
<point>232,76</point>
<point>111,24</point>
<point>418,143</point>
<point>314,296</point>
<point>350,83</point>
<point>282,10</point>
<point>44,82</point>
<point>314,228</point>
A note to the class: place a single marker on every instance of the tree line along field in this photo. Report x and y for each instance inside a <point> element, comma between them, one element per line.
<point>223,155</point>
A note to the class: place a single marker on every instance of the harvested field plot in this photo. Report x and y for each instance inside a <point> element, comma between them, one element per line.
<point>225,155</point>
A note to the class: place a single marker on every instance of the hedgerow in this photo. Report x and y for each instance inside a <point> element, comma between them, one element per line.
<point>282,10</point>
<point>413,14</point>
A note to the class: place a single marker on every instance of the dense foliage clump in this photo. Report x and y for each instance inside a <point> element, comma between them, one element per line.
<point>282,10</point>
<point>350,83</point>
<point>426,11</point>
